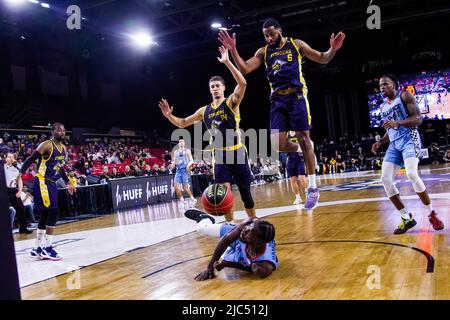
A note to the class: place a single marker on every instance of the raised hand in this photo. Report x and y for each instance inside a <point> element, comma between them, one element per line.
<point>224,55</point>
<point>337,41</point>
<point>227,41</point>
<point>166,109</point>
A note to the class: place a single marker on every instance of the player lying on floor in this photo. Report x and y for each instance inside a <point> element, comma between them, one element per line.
<point>248,246</point>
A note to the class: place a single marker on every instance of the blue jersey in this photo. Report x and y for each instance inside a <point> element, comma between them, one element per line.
<point>284,67</point>
<point>223,120</point>
<point>49,168</point>
<point>237,251</point>
<point>182,159</point>
<point>396,110</point>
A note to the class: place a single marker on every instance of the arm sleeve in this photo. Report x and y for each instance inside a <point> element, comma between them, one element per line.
<point>31,159</point>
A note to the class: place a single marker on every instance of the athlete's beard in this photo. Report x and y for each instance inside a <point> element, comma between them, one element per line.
<point>278,42</point>
<point>59,139</point>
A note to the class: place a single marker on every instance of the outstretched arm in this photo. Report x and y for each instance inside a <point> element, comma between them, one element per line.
<point>239,90</point>
<point>322,57</point>
<point>244,66</point>
<point>167,110</point>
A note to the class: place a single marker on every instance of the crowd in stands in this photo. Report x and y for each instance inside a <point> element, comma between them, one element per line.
<point>425,83</point>
<point>107,158</point>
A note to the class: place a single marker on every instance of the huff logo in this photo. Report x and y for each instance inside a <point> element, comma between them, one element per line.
<point>374,20</point>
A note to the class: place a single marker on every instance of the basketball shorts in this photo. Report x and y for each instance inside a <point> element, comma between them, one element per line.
<point>401,149</point>
<point>181,176</point>
<point>295,167</point>
<point>290,112</point>
<point>45,194</point>
<point>232,167</point>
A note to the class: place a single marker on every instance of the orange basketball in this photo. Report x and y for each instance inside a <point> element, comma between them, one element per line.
<point>217,199</point>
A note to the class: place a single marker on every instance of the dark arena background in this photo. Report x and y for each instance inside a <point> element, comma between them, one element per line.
<point>101,67</point>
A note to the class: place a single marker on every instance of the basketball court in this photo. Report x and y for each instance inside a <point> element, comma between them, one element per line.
<point>344,249</point>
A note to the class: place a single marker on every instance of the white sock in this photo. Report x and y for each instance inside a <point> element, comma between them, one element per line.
<point>404,214</point>
<point>181,199</point>
<point>297,196</point>
<point>429,208</point>
<point>230,222</point>
<point>39,238</point>
<point>312,181</point>
<point>48,240</point>
<point>192,198</point>
<point>299,150</point>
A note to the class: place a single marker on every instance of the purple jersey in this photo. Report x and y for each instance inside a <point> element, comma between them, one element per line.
<point>50,168</point>
<point>284,67</point>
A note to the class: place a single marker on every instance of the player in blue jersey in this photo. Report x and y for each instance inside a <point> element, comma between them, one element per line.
<point>183,160</point>
<point>222,117</point>
<point>282,57</point>
<point>249,246</point>
<point>51,158</point>
<point>401,117</point>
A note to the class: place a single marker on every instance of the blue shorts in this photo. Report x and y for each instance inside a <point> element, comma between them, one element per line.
<point>290,112</point>
<point>401,149</point>
<point>181,176</point>
<point>237,171</point>
<point>45,194</point>
<point>295,166</point>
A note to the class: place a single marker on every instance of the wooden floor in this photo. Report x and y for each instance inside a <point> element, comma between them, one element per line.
<point>343,250</point>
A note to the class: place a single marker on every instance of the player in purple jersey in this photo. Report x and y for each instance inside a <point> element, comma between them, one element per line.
<point>51,158</point>
<point>282,57</point>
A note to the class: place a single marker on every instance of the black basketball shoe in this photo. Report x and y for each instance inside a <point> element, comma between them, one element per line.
<point>198,215</point>
<point>405,225</point>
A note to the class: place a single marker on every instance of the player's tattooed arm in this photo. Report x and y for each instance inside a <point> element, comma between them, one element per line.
<point>414,119</point>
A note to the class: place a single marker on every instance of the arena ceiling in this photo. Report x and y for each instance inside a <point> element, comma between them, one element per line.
<point>182,28</point>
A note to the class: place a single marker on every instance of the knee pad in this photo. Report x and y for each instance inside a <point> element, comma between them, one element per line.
<point>416,181</point>
<point>246,197</point>
<point>389,185</point>
<point>413,176</point>
<point>53,217</point>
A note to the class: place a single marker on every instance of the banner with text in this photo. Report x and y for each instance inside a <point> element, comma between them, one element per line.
<point>141,191</point>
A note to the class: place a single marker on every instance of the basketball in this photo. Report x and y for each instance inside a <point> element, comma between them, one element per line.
<point>217,199</point>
